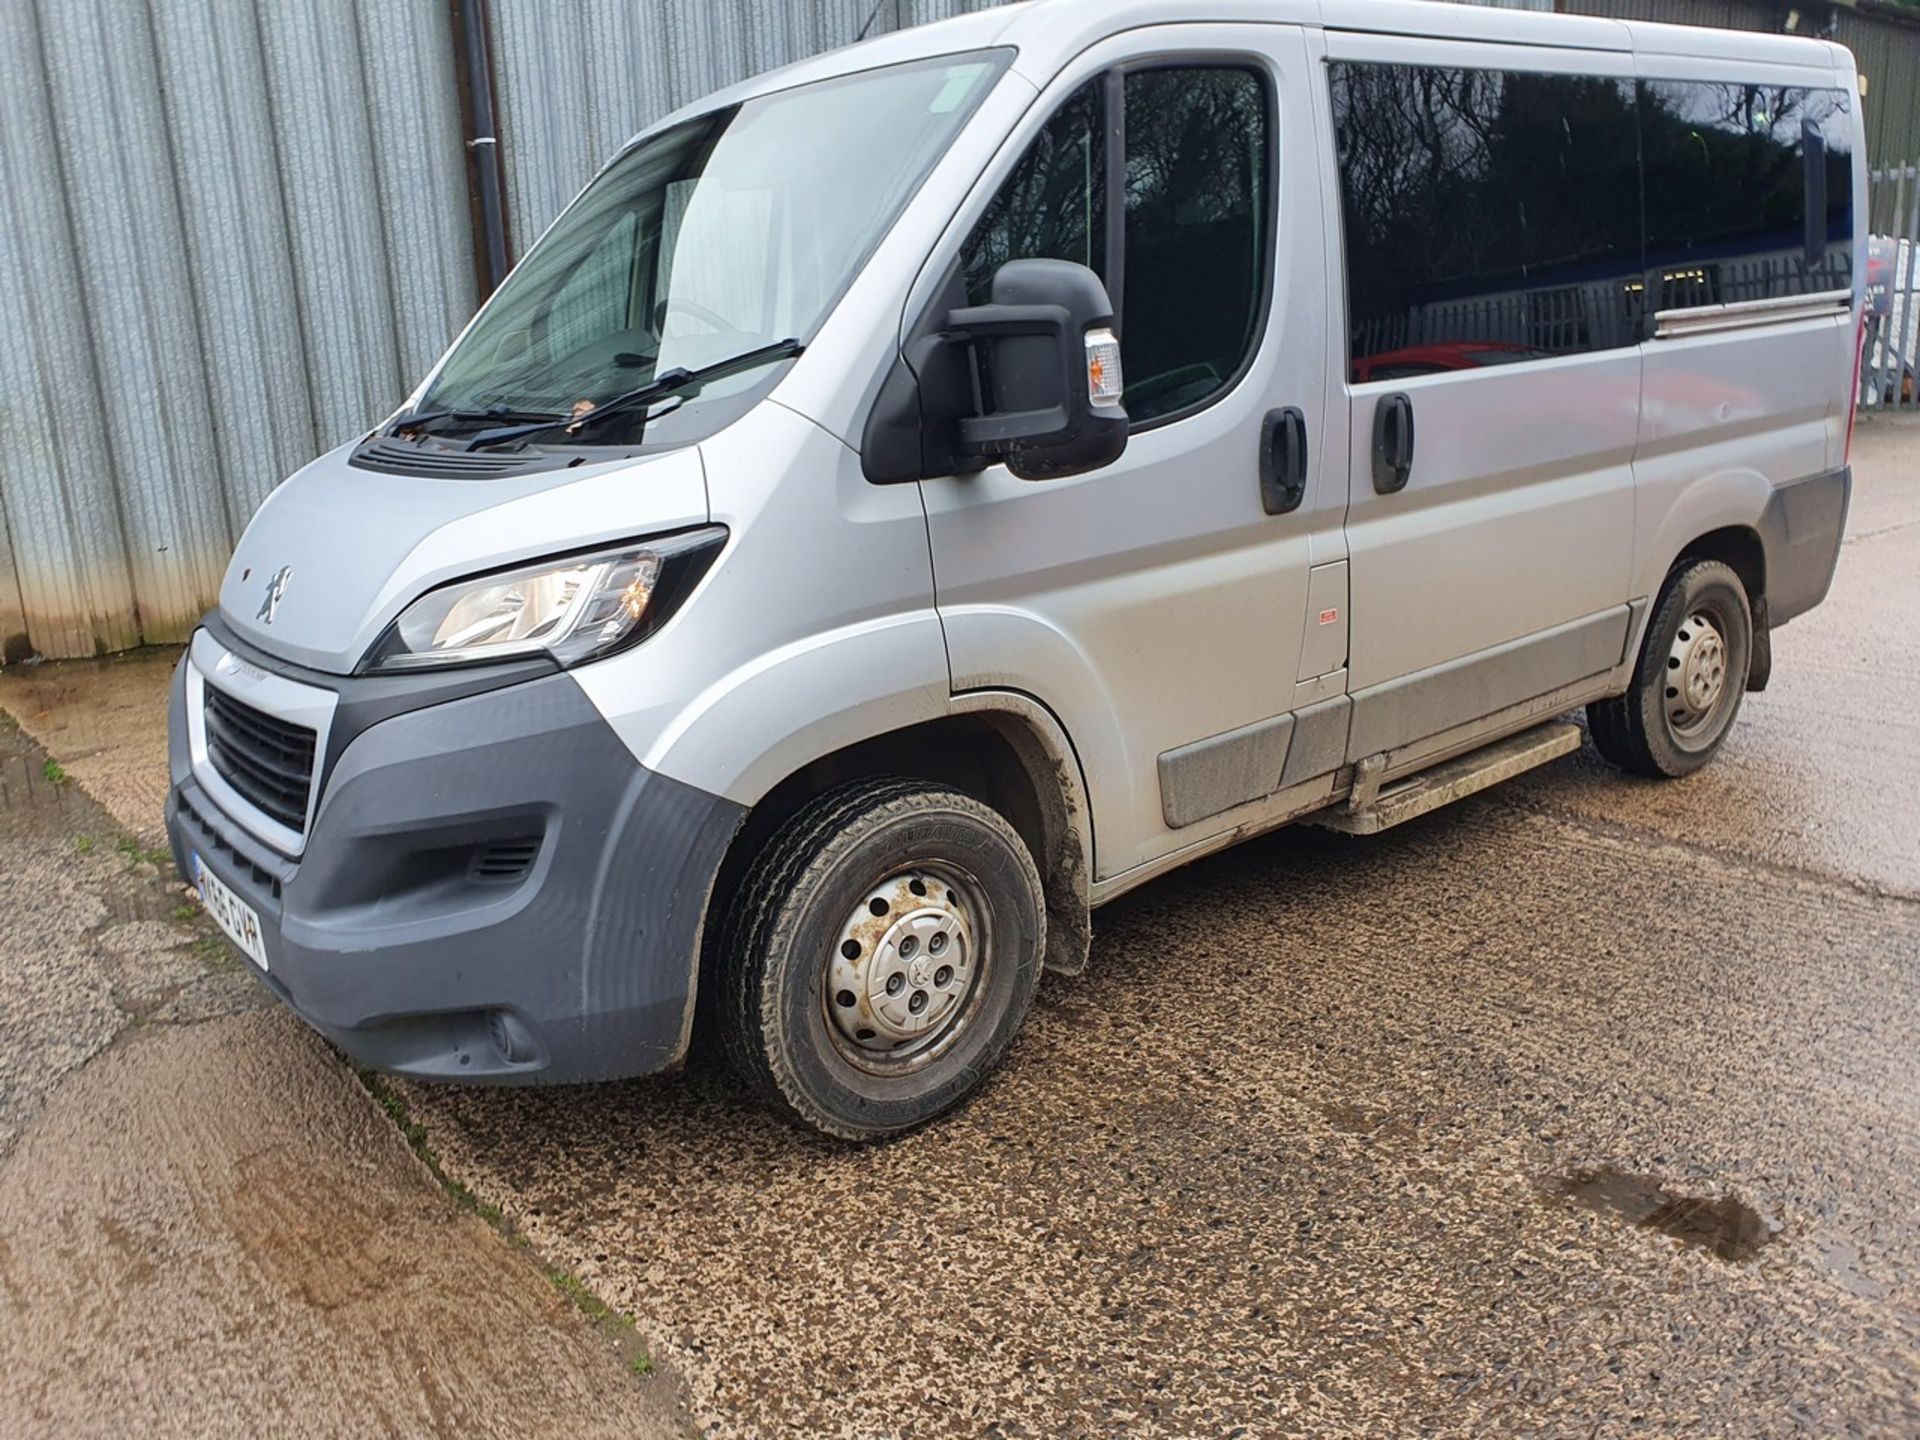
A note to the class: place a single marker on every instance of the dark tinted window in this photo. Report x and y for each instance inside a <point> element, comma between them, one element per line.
<point>1748,189</point>
<point>1489,216</point>
<point>1190,279</point>
<point>1053,206</point>
<point>1196,242</point>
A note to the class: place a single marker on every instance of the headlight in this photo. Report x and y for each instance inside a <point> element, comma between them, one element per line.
<point>572,609</point>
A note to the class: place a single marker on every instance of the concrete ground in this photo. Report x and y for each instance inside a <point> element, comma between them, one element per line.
<point>207,1226</point>
<point>1589,1107</point>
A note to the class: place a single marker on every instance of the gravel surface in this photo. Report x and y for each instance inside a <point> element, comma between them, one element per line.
<point>1444,1132</point>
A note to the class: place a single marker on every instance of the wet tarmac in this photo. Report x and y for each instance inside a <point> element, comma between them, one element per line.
<point>207,1228</point>
<point>1590,1107</point>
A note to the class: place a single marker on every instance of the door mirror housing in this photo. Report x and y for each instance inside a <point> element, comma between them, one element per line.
<point>1047,368</point>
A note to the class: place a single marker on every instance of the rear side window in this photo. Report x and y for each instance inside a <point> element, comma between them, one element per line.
<point>1749,191</point>
<point>1193,190</point>
<point>1489,216</point>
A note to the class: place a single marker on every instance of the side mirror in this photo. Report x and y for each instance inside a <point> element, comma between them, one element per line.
<point>1048,371</point>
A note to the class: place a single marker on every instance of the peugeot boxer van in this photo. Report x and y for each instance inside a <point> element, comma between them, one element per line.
<point>910,498</point>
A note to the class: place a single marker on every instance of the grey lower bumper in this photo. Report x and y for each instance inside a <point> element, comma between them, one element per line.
<point>493,889</point>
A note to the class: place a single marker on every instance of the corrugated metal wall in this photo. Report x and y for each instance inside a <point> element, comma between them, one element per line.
<point>234,232</point>
<point>576,80</point>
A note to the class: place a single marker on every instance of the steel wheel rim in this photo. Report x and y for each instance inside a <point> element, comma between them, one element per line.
<point>1695,688</point>
<point>908,967</point>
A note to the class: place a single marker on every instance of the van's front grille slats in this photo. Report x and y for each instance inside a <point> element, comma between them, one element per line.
<point>268,761</point>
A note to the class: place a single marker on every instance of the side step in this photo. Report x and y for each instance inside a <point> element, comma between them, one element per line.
<point>1455,780</point>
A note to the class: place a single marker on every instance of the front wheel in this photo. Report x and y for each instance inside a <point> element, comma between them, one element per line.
<point>1691,676</point>
<point>879,955</point>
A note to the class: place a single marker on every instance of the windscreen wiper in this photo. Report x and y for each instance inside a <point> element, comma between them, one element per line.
<point>670,382</point>
<point>497,412</point>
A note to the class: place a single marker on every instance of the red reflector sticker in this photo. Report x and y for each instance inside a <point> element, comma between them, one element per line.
<point>1327,617</point>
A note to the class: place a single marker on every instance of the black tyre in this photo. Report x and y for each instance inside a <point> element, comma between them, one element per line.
<point>879,955</point>
<point>1689,682</point>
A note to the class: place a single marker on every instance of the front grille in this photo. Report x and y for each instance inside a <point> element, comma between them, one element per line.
<point>268,761</point>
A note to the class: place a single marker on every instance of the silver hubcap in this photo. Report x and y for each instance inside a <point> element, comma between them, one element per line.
<point>905,965</point>
<point>1696,673</point>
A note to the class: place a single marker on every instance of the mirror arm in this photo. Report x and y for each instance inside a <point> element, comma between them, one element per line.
<point>985,322</point>
<point>998,432</point>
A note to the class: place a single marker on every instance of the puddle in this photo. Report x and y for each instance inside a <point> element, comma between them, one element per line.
<point>1841,1262</point>
<point>1728,1226</point>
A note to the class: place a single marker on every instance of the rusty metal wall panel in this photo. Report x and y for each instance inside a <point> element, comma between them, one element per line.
<point>232,233</point>
<point>130,243</point>
<point>57,481</point>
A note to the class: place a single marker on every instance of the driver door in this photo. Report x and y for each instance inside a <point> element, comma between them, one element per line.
<point>1161,606</point>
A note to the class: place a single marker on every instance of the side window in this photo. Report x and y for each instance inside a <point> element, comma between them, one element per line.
<point>1054,205</point>
<point>1196,233</point>
<point>1489,216</point>
<point>1748,189</point>
<point>1189,278</point>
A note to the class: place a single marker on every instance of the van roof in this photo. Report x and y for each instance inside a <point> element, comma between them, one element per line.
<point>1048,33</point>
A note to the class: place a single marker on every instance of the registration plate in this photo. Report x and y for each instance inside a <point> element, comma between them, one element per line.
<point>231,913</point>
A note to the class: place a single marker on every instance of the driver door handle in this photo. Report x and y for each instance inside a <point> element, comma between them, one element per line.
<point>1283,460</point>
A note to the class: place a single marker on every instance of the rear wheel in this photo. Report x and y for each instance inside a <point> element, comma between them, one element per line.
<point>1690,679</point>
<point>879,955</point>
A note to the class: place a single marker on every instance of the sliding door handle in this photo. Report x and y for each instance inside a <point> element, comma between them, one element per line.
<point>1392,443</point>
<point>1283,460</point>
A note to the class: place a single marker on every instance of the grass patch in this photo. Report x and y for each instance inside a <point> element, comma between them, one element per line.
<point>83,844</point>
<point>185,913</point>
<point>7,723</point>
<point>216,954</point>
<point>137,854</point>
<point>54,773</point>
<point>612,1325</point>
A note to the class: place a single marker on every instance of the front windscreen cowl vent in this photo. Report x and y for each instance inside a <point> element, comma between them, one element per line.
<point>433,461</point>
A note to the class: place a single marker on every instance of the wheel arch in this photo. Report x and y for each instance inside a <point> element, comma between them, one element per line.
<point>1004,749</point>
<point>1738,547</point>
<point>1741,549</point>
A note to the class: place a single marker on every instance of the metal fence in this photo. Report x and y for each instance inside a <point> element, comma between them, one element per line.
<point>1891,357</point>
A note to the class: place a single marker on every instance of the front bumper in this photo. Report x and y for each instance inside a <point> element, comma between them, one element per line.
<point>492,889</point>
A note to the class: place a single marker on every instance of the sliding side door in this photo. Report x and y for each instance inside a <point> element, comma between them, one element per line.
<point>1491,247</point>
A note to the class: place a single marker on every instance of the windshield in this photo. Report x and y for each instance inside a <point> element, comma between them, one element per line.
<point>725,234</point>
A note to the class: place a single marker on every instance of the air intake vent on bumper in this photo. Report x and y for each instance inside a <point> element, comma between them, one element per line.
<point>504,860</point>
